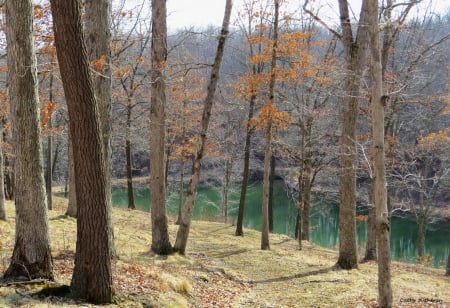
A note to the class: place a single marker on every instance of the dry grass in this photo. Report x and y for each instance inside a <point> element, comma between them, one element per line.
<point>221,270</point>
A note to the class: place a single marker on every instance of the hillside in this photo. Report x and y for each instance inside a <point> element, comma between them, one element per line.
<point>220,270</point>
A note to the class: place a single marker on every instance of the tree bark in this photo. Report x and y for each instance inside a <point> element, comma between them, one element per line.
<point>128,156</point>
<point>354,49</point>
<point>98,44</point>
<point>3,215</point>
<point>371,243</point>
<point>49,161</point>
<point>245,173</point>
<point>271,181</point>
<point>72,202</point>
<point>160,234</point>
<point>31,256</point>
<point>447,272</point>
<point>92,276</point>
<point>184,228</point>
<point>380,192</point>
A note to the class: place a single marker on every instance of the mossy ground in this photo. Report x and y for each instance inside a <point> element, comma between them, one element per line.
<point>220,270</point>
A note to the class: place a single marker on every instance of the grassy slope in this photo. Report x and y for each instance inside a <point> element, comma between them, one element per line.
<point>221,270</point>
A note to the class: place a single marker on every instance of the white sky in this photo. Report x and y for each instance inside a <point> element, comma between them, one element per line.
<point>201,13</point>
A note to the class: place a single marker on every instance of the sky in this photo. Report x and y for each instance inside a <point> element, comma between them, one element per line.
<point>201,13</point>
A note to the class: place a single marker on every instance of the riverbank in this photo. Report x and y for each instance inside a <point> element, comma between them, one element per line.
<point>221,270</point>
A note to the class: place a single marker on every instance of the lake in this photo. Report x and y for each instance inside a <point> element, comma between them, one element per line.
<point>324,220</point>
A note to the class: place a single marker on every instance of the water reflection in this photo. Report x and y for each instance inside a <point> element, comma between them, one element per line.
<point>324,220</point>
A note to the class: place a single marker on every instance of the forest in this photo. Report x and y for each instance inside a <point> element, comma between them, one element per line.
<point>99,96</point>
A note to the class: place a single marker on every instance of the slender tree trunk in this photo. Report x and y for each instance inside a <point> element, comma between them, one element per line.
<point>181,194</point>
<point>9,175</point>
<point>265,244</point>
<point>245,173</point>
<point>92,275</point>
<point>98,44</point>
<point>380,192</point>
<point>271,182</point>
<point>306,192</point>
<point>371,243</point>
<point>447,272</point>
<point>160,233</point>
<point>184,228</point>
<point>226,188</point>
<point>268,148</point>
<point>31,257</point>
<point>49,161</point>
<point>129,166</point>
<point>3,215</point>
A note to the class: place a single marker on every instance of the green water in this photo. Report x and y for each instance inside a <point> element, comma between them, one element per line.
<point>324,220</point>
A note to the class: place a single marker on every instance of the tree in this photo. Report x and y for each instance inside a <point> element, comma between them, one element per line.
<point>379,185</point>
<point>98,43</point>
<point>183,230</point>
<point>447,271</point>
<point>2,172</point>
<point>92,277</point>
<point>354,44</point>
<point>31,256</point>
<point>160,234</point>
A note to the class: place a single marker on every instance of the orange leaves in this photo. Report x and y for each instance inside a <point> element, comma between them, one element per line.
<point>270,114</point>
<point>99,64</point>
<point>361,218</point>
<point>435,140</point>
<point>46,112</point>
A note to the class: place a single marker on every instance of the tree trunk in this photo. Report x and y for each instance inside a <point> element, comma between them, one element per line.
<point>271,181</point>
<point>226,188</point>
<point>72,202</point>
<point>184,228</point>
<point>129,166</point>
<point>306,192</point>
<point>380,193</point>
<point>31,256</point>
<point>3,215</point>
<point>160,234</point>
<point>245,173</point>
<point>421,230</point>
<point>49,161</point>
<point>98,44</point>
<point>92,276</point>
<point>371,243</point>
<point>354,54</point>
<point>447,272</point>
<point>265,245</point>
<point>268,148</point>
<point>181,193</point>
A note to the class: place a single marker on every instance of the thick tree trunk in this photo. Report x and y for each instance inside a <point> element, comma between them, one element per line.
<point>72,202</point>
<point>160,234</point>
<point>245,173</point>
<point>31,257</point>
<point>421,230</point>
<point>92,276</point>
<point>129,166</point>
<point>98,44</point>
<point>183,230</point>
<point>378,143</point>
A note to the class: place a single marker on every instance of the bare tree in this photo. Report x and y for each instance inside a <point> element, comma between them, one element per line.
<point>31,256</point>
<point>379,186</point>
<point>183,230</point>
<point>92,276</point>
<point>160,234</point>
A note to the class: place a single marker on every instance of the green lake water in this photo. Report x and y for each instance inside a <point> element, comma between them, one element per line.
<point>324,220</point>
